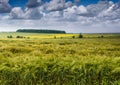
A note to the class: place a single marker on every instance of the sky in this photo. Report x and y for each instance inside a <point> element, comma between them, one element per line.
<point>82,2</point>
<point>73,16</point>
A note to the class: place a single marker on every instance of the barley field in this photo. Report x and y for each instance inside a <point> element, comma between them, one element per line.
<point>59,59</point>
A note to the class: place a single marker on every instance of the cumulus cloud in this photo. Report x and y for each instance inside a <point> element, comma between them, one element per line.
<point>112,13</point>
<point>4,6</point>
<point>70,13</point>
<point>33,13</point>
<point>28,13</point>
<point>16,13</point>
<point>62,10</point>
<point>58,14</point>
<point>82,10</point>
<point>73,12</point>
<point>95,9</point>
<point>57,5</point>
<point>54,14</point>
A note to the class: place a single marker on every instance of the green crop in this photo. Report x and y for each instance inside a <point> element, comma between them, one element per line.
<point>60,61</point>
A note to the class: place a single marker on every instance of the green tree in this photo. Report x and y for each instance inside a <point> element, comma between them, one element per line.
<point>10,36</point>
<point>80,36</point>
<point>73,37</point>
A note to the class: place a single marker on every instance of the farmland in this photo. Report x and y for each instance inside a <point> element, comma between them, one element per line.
<point>59,59</point>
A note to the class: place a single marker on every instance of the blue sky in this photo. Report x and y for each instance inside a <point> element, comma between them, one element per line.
<point>87,2</point>
<point>22,3</point>
<point>15,3</point>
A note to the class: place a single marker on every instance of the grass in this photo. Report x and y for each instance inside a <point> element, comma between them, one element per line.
<point>48,61</point>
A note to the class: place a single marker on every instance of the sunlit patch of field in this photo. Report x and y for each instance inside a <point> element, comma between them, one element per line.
<point>53,36</point>
<point>36,35</point>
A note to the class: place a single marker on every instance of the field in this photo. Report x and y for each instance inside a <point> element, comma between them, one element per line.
<point>59,59</point>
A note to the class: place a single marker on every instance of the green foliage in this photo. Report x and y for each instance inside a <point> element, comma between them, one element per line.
<point>40,31</point>
<point>54,37</point>
<point>101,36</point>
<point>73,37</point>
<point>19,37</point>
<point>80,36</point>
<point>10,36</point>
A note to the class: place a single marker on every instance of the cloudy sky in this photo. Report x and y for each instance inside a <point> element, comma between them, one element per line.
<point>73,16</point>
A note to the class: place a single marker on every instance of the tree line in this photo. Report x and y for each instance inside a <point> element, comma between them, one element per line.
<point>40,31</point>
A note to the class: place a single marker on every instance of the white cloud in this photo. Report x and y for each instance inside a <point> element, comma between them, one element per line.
<point>55,5</point>
<point>70,13</point>
<point>61,15</point>
<point>82,10</point>
<point>58,5</point>
<point>76,26</point>
<point>54,14</point>
<point>95,9</point>
<point>74,12</point>
<point>112,13</point>
<point>29,13</point>
<point>16,13</point>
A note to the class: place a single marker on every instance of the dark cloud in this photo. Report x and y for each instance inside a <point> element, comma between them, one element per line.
<point>33,13</point>
<point>33,3</point>
<point>4,6</point>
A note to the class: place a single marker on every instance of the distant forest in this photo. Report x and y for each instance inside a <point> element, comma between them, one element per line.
<point>40,31</point>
